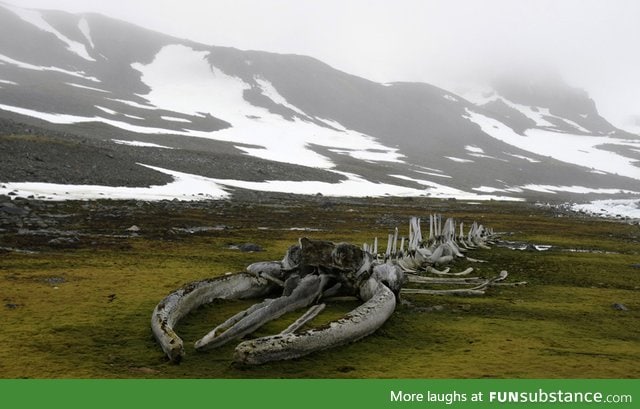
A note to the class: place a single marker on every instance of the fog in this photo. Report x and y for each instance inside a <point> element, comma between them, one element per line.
<point>449,43</point>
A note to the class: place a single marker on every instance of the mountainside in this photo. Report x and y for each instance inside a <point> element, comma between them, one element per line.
<point>89,100</point>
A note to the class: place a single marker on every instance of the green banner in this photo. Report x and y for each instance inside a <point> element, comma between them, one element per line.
<point>282,394</point>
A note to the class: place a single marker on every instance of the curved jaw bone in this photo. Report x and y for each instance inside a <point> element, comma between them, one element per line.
<point>180,302</point>
<point>325,269</point>
<point>379,292</point>
<point>357,324</point>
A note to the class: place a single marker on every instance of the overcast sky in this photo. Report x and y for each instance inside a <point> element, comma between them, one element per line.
<point>594,44</point>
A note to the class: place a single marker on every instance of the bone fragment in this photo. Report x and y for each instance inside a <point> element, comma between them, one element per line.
<point>306,317</point>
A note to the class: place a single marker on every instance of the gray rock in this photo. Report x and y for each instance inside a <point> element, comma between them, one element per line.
<point>10,208</point>
<point>64,242</point>
<point>249,247</point>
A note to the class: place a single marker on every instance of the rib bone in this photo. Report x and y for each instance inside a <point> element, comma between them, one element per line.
<point>305,293</point>
<point>357,324</point>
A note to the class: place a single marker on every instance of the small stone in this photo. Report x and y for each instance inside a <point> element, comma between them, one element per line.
<point>64,242</point>
<point>54,280</point>
<point>345,369</point>
<point>249,247</point>
<point>619,307</point>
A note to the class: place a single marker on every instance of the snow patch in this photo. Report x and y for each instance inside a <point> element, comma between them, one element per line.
<point>57,118</point>
<point>181,80</point>
<point>580,150</point>
<point>482,155</point>
<point>184,187</point>
<point>611,208</point>
<point>440,175</point>
<point>86,87</point>
<point>138,118</point>
<point>442,191</point>
<point>536,114</point>
<point>575,125</point>
<point>192,187</point>
<point>175,119</point>
<point>480,95</point>
<point>270,92</point>
<point>334,124</point>
<point>522,157</point>
<point>8,82</point>
<point>21,64</point>
<point>139,143</point>
<point>107,110</point>
<point>490,189</point>
<point>474,149</point>
<point>35,18</point>
<point>83,25</point>
<point>133,104</point>
<point>576,189</point>
<point>460,160</point>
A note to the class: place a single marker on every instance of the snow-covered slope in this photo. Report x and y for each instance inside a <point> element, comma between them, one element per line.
<point>262,121</point>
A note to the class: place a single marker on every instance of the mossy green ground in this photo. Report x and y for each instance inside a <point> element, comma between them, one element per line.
<point>92,319</point>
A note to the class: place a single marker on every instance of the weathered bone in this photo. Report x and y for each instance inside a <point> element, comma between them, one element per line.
<point>447,273</point>
<point>311,313</point>
<point>412,278</point>
<point>455,291</point>
<point>479,289</point>
<point>305,293</point>
<point>432,270</point>
<point>180,302</point>
<point>357,324</point>
<point>315,269</point>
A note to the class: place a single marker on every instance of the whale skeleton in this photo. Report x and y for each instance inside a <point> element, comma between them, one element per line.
<point>313,272</point>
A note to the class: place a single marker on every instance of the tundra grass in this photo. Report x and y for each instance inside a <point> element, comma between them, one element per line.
<point>85,312</point>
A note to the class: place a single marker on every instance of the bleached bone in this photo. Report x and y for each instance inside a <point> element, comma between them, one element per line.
<point>306,291</point>
<point>412,278</point>
<point>357,324</point>
<point>457,291</point>
<point>516,284</point>
<point>180,302</point>
<point>311,313</point>
<point>446,272</point>
<point>271,278</point>
<point>479,289</point>
<point>433,270</point>
<point>394,250</point>
<point>316,269</point>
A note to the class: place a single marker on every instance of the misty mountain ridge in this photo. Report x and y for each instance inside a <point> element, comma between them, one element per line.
<point>193,120</point>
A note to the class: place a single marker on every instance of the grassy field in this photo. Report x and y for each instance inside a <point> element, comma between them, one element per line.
<point>84,312</point>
